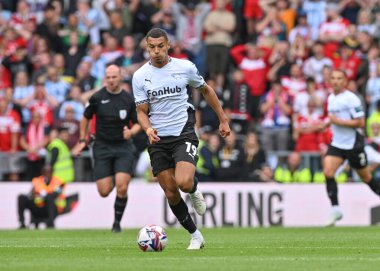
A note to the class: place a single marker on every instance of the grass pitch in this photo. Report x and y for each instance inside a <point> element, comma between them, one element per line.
<point>226,249</point>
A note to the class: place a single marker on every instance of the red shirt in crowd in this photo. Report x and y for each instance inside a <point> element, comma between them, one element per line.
<point>10,123</point>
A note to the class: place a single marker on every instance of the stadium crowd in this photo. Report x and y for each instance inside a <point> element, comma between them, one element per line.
<point>269,62</point>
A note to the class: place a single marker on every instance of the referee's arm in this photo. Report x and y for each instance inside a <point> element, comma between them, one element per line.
<point>83,130</point>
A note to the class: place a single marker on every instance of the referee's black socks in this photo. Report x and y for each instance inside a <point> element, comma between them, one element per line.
<point>119,207</point>
<point>182,214</point>
<point>332,190</point>
<point>374,185</point>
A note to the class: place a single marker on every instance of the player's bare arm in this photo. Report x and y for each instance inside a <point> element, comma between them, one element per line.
<point>351,123</point>
<point>83,130</point>
<point>143,118</point>
<point>211,98</point>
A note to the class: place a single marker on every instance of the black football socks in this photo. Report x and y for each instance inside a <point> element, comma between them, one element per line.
<point>332,190</point>
<point>374,185</point>
<point>119,207</point>
<point>182,213</point>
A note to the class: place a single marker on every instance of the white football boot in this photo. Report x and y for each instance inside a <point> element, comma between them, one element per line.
<point>335,215</point>
<point>198,202</point>
<point>197,241</point>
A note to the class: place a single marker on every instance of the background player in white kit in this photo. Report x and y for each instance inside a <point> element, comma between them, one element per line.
<point>346,117</point>
<point>167,117</point>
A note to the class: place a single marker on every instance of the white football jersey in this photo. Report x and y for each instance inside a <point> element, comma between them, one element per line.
<point>345,105</point>
<point>165,89</point>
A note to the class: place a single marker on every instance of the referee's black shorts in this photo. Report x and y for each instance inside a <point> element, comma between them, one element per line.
<point>165,153</point>
<point>357,156</point>
<point>113,157</point>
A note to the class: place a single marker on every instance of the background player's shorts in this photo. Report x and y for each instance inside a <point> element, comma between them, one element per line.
<point>111,158</point>
<point>172,149</point>
<point>357,157</point>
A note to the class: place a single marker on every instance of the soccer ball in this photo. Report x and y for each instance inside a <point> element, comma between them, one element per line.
<point>152,238</point>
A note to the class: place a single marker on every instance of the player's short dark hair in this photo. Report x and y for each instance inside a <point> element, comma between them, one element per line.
<point>157,33</point>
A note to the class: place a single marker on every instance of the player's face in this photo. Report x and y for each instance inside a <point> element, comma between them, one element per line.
<point>158,50</point>
<point>338,81</point>
<point>113,79</point>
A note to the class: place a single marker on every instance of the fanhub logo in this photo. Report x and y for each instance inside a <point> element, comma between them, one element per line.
<point>165,90</point>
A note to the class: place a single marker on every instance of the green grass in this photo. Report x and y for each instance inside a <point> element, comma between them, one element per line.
<point>234,249</point>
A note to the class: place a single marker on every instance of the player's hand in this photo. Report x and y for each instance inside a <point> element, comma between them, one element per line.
<point>127,133</point>
<point>152,135</point>
<point>78,148</point>
<point>224,129</point>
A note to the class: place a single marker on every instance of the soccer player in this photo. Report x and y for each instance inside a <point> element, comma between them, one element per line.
<point>347,118</point>
<point>167,117</point>
<point>114,152</point>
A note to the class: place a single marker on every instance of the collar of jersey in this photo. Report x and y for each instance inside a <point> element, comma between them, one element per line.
<point>169,60</point>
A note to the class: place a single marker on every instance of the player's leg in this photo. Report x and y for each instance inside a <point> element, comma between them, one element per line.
<point>124,163</point>
<point>179,207</point>
<point>332,161</point>
<point>359,161</point>
<point>186,157</point>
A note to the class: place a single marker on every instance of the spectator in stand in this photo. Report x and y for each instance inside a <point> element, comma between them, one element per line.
<point>10,128</point>
<point>271,27</point>
<point>177,50</point>
<point>295,82</point>
<point>55,86</point>
<point>293,171</point>
<point>126,8</point>
<point>316,14</point>
<point>219,26</point>
<point>118,29</point>
<point>205,115</point>
<point>42,102</point>
<point>313,66</point>
<point>49,29</point>
<point>40,63</point>
<point>74,101</point>
<point>84,79</point>
<point>208,162</point>
<point>33,141</point>
<point>333,30</point>
<point>255,157</point>
<point>302,29</point>
<point>237,103</point>
<point>22,15</point>
<point>69,122</point>
<point>365,21</point>
<point>22,91</point>
<point>89,19</point>
<point>72,26</point>
<point>299,51</point>
<point>253,62</point>
<point>306,128</point>
<point>276,110</point>
<point>130,60</point>
<point>98,63</point>
<point>350,9</point>
<point>373,119</point>
<point>167,22</point>
<point>18,61</point>
<point>73,54</point>
<point>231,158</point>
<point>319,97</point>
<point>346,60</point>
<point>372,93</point>
<point>252,13</point>
<point>279,61</point>
<point>287,10</point>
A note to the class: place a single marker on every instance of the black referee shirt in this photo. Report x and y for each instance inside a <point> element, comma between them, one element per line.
<point>113,112</point>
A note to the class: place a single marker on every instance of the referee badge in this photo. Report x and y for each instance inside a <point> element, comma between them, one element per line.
<point>123,114</point>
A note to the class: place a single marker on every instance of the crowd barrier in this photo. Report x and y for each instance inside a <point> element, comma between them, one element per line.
<point>229,204</point>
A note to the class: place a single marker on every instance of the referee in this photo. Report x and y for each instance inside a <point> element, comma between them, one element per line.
<point>114,153</point>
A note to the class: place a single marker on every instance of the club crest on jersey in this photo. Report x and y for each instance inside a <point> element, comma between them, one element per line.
<point>123,114</point>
